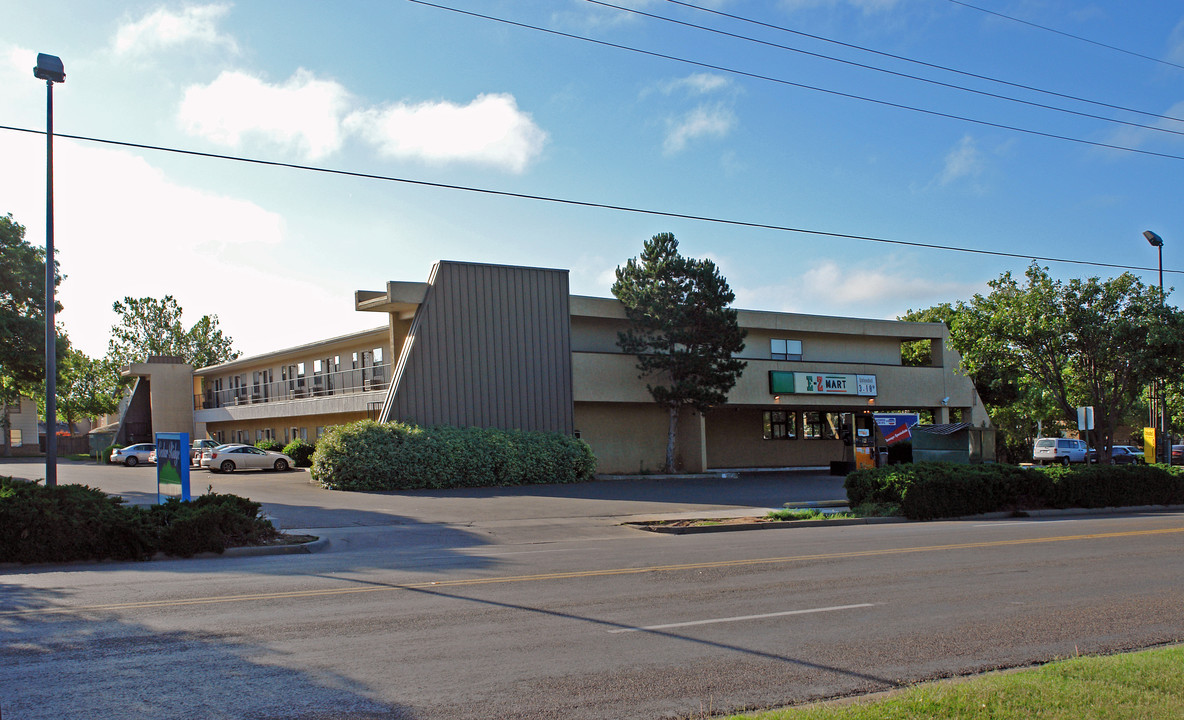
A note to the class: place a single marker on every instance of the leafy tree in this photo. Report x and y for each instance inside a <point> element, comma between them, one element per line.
<point>22,317</point>
<point>682,329</point>
<point>149,326</point>
<point>88,388</point>
<point>1045,347</point>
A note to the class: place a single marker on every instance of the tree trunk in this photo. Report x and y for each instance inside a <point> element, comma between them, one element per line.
<point>670,439</point>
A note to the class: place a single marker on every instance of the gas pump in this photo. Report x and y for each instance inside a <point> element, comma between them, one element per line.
<point>865,440</point>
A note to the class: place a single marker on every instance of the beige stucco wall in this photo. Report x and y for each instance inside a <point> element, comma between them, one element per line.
<point>735,439</point>
<point>172,404</point>
<point>278,426</point>
<point>631,438</point>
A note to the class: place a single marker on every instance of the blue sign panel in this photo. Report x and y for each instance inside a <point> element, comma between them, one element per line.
<point>172,463</point>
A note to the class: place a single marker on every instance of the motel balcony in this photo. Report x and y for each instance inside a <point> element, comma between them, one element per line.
<point>317,394</point>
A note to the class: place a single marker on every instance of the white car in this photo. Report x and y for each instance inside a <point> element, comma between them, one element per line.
<point>133,455</point>
<point>1060,450</point>
<point>228,458</point>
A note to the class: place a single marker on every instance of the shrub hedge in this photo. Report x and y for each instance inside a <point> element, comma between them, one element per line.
<point>366,455</point>
<point>926,491</point>
<point>74,522</point>
<point>269,444</point>
<point>300,451</point>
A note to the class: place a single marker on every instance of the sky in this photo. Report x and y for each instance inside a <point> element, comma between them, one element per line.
<point>789,125</point>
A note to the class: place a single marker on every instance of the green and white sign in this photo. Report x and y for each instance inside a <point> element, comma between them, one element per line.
<point>821,383</point>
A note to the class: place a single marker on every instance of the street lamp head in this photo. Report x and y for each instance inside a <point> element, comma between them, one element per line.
<point>1155,240</point>
<point>49,67</point>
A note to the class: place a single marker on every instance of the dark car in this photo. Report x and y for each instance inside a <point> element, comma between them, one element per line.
<point>1126,455</point>
<point>1178,454</point>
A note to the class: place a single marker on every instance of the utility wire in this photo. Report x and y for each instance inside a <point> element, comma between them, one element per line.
<point>803,86</point>
<point>1066,34</point>
<point>588,204</point>
<point>886,71</point>
<point>922,63</point>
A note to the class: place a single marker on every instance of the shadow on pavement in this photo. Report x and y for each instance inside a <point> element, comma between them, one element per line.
<point>92,663</point>
<point>771,489</point>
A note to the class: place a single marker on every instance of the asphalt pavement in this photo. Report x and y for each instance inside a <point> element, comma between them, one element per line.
<point>536,513</point>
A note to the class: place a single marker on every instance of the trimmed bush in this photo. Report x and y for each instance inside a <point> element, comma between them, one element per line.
<point>395,456</point>
<point>269,444</point>
<point>69,522</point>
<point>105,456</point>
<point>926,491</point>
<point>73,522</point>
<point>300,451</point>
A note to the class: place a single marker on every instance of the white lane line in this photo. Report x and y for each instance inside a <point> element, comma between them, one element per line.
<point>740,618</point>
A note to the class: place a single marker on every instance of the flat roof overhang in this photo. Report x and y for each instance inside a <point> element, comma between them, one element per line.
<point>400,298</point>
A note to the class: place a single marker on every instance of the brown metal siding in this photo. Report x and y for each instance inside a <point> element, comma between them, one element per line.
<point>490,346</point>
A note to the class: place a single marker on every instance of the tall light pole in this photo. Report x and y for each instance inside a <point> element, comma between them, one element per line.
<point>1157,400</point>
<point>50,69</point>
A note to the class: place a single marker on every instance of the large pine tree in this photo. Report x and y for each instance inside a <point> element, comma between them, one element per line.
<point>682,329</point>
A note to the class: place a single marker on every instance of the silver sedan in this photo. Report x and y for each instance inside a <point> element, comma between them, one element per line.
<point>246,457</point>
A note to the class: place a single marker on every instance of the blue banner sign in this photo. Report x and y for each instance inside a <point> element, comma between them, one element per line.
<point>172,463</point>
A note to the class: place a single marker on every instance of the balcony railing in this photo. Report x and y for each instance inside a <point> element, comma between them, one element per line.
<point>343,382</point>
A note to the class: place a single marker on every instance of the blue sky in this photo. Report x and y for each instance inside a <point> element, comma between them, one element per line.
<point>424,94</point>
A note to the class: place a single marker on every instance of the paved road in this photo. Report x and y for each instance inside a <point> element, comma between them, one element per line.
<point>610,622</point>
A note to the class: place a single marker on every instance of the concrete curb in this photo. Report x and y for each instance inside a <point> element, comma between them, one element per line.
<point>1004,515</point>
<point>781,525</point>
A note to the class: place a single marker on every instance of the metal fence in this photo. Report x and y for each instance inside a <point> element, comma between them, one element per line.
<point>342,382</point>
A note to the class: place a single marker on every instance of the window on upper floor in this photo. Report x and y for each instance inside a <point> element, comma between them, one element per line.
<point>782,349</point>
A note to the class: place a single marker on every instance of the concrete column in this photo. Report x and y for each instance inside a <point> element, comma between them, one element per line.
<point>692,441</point>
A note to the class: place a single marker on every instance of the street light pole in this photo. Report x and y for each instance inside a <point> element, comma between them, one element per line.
<point>49,68</point>
<point>1161,421</point>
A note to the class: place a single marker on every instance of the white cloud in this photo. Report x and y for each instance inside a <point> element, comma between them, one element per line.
<point>828,288</point>
<point>1139,137</point>
<point>490,130</point>
<point>703,121</point>
<point>163,28</point>
<point>963,161</point>
<point>302,115</point>
<point>123,227</point>
<point>696,84</point>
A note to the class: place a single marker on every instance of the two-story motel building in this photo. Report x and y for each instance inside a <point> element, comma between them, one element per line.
<point>509,347</point>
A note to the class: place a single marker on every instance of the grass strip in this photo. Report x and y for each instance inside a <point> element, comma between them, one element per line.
<point>1147,685</point>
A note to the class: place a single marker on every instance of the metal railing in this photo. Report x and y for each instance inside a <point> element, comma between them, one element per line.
<point>342,382</point>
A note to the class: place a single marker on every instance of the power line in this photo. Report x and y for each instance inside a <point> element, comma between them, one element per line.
<point>922,63</point>
<point>1067,34</point>
<point>588,204</point>
<point>886,71</point>
<point>803,86</point>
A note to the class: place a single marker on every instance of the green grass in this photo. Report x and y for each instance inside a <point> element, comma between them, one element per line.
<point>806,514</point>
<point>1145,685</point>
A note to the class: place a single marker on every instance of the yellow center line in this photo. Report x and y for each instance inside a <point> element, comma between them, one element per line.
<point>577,574</point>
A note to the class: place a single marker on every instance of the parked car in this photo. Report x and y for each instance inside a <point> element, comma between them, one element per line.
<point>1178,454</point>
<point>1059,450</point>
<point>247,457</point>
<point>207,453</point>
<point>196,448</point>
<point>1126,455</point>
<point>133,455</point>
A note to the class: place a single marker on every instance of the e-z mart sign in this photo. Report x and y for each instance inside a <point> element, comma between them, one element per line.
<point>800,383</point>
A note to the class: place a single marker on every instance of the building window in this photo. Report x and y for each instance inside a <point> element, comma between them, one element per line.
<point>16,437</point>
<point>781,349</point>
<point>821,426</point>
<point>779,425</point>
<point>320,431</point>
